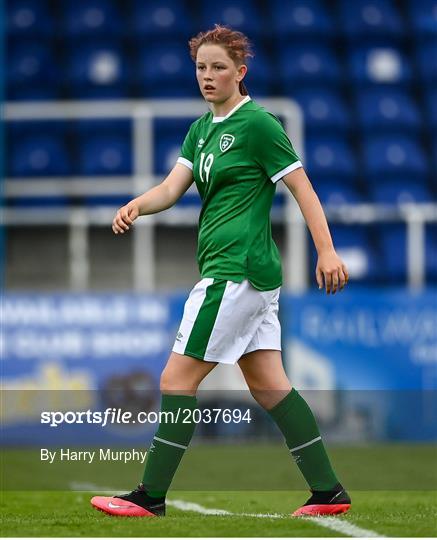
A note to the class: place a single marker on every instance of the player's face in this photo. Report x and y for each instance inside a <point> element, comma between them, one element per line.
<point>217,74</point>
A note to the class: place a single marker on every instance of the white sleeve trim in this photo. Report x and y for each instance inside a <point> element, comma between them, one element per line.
<point>281,174</point>
<point>185,162</point>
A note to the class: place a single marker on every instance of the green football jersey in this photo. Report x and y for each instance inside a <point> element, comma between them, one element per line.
<point>236,161</point>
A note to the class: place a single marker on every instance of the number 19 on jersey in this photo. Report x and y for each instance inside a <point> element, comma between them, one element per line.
<point>205,166</point>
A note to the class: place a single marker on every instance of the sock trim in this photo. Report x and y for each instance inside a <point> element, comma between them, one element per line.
<point>170,443</point>
<point>282,408</point>
<point>306,444</point>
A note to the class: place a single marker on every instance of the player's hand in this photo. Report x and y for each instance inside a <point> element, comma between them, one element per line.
<point>125,217</point>
<point>331,272</point>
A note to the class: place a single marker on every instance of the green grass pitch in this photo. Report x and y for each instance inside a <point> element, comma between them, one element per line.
<point>393,488</point>
<point>70,514</point>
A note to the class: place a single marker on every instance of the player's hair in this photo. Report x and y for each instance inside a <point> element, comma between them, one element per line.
<point>236,44</point>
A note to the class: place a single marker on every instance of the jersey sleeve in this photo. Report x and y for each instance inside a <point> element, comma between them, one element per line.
<point>186,156</point>
<point>271,147</point>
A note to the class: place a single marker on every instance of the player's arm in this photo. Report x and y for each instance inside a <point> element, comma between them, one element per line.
<point>331,272</point>
<point>154,200</point>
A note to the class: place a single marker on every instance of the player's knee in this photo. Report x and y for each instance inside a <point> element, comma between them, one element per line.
<point>170,384</point>
<point>268,398</point>
<point>258,395</point>
<point>167,383</point>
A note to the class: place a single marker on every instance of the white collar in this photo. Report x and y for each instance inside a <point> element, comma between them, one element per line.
<point>217,119</point>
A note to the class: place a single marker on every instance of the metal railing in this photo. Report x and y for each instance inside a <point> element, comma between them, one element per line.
<point>415,216</point>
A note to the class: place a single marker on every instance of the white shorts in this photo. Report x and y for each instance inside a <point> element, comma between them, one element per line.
<point>223,320</point>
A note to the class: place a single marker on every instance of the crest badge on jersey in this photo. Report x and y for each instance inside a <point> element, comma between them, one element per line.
<point>226,141</point>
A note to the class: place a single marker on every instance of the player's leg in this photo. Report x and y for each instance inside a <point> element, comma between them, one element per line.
<point>188,364</point>
<point>179,382</point>
<point>269,385</point>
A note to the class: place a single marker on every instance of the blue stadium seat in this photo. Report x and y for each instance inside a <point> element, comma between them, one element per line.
<point>387,109</point>
<point>164,18</point>
<point>392,240</point>
<point>396,156</point>
<point>324,110</point>
<point>431,108</point>
<point>29,18</point>
<point>97,70</point>
<point>354,246</point>
<point>31,70</point>
<point>306,65</point>
<point>260,76</point>
<point>44,154</point>
<point>393,246</point>
<point>105,155</point>
<point>330,157</point>
<point>333,192</point>
<point>104,147</point>
<point>32,93</point>
<point>241,15</point>
<point>39,150</point>
<point>400,191</point>
<point>166,70</point>
<point>91,18</point>
<point>169,136</point>
<point>379,64</point>
<point>301,18</point>
<point>423,15</point>
<point>370,18</point>
<point>426,55</point>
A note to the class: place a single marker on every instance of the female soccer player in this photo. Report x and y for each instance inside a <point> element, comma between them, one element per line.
<point>235,154</point>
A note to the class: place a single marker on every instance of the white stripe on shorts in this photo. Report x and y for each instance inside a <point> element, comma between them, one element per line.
<point>306,444</point>
<point>191,311</point>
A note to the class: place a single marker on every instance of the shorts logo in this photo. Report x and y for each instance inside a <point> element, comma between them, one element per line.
<point>200,143</point>
<point>226,141</point>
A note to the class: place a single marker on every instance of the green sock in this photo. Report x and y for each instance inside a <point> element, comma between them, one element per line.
<point>169,444</point>
<point>298,425</point>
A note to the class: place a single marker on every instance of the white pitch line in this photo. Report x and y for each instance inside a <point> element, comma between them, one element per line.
<point>194,507</point>
<point>330,522</point>
<point>344,527</point>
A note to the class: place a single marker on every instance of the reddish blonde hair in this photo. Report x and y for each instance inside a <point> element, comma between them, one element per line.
<point>236,44</point>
